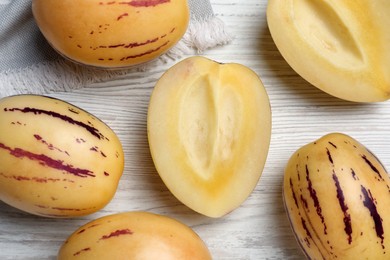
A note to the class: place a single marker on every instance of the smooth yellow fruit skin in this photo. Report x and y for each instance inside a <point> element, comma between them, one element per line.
<point>134,236</point>
<point>56,160</point>
<point>339,46</point>
<point>209,129</point>
<point>337,197</point>
<point>111,34</point>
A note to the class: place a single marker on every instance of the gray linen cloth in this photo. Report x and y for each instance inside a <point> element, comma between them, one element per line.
<point>28,64</point>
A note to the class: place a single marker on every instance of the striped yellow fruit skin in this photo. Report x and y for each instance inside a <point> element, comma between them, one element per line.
<point>134,235</point>
<point>111,34</point>
<point>56,160</point>
<point>337,197</point>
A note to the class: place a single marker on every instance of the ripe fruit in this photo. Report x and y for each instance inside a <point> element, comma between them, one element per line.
<point>209,128</point>
<point>337,196</point>
<point>56,160</point>
<point>111,34</point>
<point>134,235</point>
<point>341,47</point>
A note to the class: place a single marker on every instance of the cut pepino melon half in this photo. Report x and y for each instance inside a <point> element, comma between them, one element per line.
<point>209,129</point>
<point>339,46</point>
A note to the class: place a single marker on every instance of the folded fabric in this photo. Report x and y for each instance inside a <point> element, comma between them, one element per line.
<point>28,64</point>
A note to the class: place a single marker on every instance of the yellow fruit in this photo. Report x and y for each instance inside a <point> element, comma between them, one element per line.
<point>134,236</point>
<point>111,34</point>
<point>339,46</point>
<point>209,128</point>
<point>56,160</point>
<point>337,196</point>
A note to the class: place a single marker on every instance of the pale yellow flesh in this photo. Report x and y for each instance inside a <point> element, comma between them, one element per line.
<point>209,127</point>
<point>111,34</point>
<point>339,46</point>
<point>50,163</point>
<point>134,236</point>
<point>324,193</point>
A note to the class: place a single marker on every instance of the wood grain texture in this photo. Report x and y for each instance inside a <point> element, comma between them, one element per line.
<point>259,229</point>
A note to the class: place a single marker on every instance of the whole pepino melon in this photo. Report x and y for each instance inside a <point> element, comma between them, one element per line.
<point>337,197</point>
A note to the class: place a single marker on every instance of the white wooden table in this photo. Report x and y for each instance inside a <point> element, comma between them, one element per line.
<point>259,229</point>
